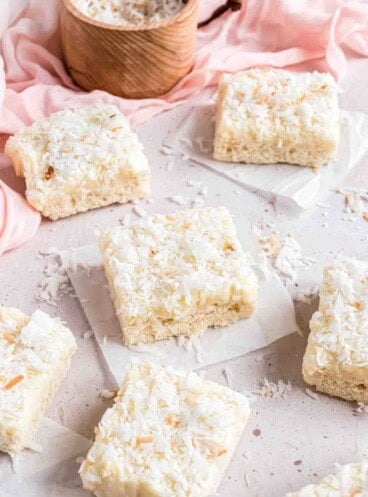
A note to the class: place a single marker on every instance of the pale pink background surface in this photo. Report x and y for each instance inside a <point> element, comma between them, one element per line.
<point>316,432</point>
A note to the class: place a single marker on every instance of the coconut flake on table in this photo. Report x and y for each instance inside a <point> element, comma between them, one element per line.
<point>139,211</point>
<point>285,254</point>
<point>193,183</point>
<point>145,348</point>
<point>178,199</point>
<point>192,344</point>
<point>107,394</point>
<point>166,150</point>
<point>311,394</point>
<point>306,295</point>
<point>198,202</point>
<point>55,282</point>
<point>290,259</point>
<point>88,334</point>
<point>246,480</point>
<point>356,203</point>
<point>273,390</point>
<point>361,408</point>
<point>229,377</point>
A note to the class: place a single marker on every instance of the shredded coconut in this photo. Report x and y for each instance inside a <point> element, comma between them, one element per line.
<point>139,211</point>
<point>198,202</point>
<point>30,350</point>
<point>247,480</point>
<point>166,150</point>
<point>129,12</point>
<point>73,154</point>
<point>356,203</point>
<point>178,199</point>
<point>229,377</point>
<point>55,283</point>
<point>175,422</point>
<point>290,259</point>
<point>164,268</point>
<point>273,390</point>
<point>361,408</point>
<point>285,254</point>
<point>107,394</point>
<point>311,394</point>
<point>338,339</point>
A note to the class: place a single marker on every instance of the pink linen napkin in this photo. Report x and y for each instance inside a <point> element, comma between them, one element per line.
<point>305,34</point>
<point>302,34</point>
<point>18,221</point>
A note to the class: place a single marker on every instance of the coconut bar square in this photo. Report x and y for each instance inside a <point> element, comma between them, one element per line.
<point>178,274</point>
<point>35,354</point>
<point>169,434</point>
<point>336,358</point>
<point>79,160</point>
<point>270,116</point>
<point>350,480</point>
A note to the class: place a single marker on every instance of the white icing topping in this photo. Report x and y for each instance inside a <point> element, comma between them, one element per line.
<point>172,431</point>
<point>29,347</point>
<point>259,101</point>
<point>339,329</point>
<point>88,146</point>
<point>167,264</point>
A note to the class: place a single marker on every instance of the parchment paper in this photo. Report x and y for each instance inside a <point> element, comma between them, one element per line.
<point>300,184</point>
<point>53,472</point>
<point>274,318</point>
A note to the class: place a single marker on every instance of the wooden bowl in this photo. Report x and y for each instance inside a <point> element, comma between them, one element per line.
<point>133,62</point>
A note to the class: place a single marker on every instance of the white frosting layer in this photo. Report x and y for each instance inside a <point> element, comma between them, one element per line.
<point>266,99</point>
<point>169,433</point>
<point>31,350</point>
<point>339,329</point>
<point>78,150</point>
<point>166,266</point>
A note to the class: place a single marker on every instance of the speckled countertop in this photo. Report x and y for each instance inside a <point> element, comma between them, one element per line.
<point>292,439</point>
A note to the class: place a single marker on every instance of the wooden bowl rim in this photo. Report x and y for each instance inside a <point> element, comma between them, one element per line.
<point>113,27</point>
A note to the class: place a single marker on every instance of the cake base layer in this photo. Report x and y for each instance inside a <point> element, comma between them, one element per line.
<point>338,386</point>
<point>197,323</point>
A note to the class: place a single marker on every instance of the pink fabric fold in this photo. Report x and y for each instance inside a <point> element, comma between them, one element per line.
<point>297,34</point>
<point>305,35</point>
<point>18,220</point>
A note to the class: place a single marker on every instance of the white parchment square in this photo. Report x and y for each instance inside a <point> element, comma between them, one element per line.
<point>274,318</point>
<point>51,472</point>
<point>303,185</point>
